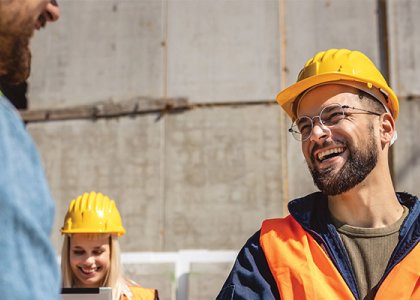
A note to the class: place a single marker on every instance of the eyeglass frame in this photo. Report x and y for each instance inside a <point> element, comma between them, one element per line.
<point>343,107</point>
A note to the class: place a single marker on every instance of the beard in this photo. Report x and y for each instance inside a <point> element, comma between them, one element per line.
<point>358,166</point>
<point>15,56</point>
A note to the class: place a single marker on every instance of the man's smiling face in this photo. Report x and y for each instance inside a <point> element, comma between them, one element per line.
<point>340,156</point>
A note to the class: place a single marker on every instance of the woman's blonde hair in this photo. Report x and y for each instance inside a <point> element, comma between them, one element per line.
<point>114,278</point>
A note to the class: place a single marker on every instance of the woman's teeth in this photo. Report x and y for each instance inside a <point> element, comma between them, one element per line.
<point>88,271</point>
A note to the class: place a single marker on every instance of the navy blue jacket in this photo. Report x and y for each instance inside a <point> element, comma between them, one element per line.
<point>251,277</point>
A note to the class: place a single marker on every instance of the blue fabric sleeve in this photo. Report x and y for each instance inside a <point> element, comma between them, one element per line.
<point>28,264</point>
<point>250,277</point>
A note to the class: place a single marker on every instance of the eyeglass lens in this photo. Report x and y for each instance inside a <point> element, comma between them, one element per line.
<point>301,128</point>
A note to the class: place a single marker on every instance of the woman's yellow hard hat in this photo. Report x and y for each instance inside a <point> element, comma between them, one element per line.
<point>335,65</point>
<point>93,213</point>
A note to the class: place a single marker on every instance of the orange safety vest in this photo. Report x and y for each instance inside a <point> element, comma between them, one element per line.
<point>303,270</point>
<point>141,293</point>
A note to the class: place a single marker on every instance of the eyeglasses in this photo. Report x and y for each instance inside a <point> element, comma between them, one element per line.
<point>330,115</point>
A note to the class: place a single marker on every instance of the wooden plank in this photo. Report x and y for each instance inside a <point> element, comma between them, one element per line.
<point>106,109</point>
<point>109,109</point>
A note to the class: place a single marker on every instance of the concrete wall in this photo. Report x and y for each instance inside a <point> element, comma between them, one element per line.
<point>175,180</point>
<point>405,70</point>
<point>202,178</point>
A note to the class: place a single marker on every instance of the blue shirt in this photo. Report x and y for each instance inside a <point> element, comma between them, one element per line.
<point>28,263</point>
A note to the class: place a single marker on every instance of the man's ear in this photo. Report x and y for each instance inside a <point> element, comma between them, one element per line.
<point>387,130</point>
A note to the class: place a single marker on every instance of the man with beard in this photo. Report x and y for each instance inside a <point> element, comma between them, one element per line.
<point>16,93</point>
<point>28,267</point>
<point>356,238</point>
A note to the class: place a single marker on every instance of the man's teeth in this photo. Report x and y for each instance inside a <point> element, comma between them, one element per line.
<point>322,155</point>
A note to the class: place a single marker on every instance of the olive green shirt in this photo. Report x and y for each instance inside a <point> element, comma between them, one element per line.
<point>369,250</point>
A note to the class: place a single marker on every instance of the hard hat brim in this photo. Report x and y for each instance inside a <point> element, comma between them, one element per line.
<point>93,231</point>
<point>287,97</point>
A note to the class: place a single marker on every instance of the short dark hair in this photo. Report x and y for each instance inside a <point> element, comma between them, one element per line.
<point>372,101</point>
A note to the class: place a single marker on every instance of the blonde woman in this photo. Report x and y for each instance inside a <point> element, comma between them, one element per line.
<point>90,255</point>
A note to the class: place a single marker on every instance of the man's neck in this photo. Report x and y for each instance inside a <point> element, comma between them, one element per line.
<point>371,204</point>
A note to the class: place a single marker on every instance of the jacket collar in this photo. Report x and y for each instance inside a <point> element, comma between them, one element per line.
<point>312,210</point>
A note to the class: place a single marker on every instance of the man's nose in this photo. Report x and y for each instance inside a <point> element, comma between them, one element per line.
<point>51,14</point>
<point>52,11</point>
<point>319,131</point>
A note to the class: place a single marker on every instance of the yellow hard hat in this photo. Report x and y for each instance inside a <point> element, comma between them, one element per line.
<point>93,213</point>
<point>336,65</point>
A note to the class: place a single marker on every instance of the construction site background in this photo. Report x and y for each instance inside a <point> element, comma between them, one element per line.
<point>168,107</point>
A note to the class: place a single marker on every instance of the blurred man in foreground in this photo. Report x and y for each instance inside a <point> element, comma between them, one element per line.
<point>28,264</point>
